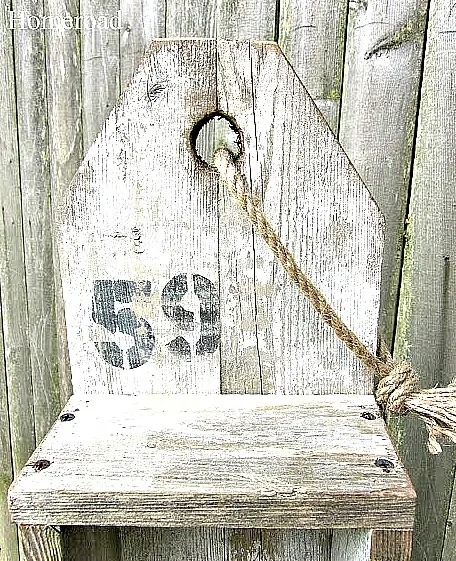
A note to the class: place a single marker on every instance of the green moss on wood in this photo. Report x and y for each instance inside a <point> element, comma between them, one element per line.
<point>409,32</point>
<point>402,342</point>
<point>333,95</point>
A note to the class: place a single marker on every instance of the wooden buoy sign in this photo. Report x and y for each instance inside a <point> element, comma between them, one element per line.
<point>168,290</point>
<point>186,298</point>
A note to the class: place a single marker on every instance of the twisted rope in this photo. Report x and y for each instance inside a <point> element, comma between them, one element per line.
<point>398,388</point>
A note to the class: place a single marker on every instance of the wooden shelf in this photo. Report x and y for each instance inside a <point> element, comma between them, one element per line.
<point>216,460</point>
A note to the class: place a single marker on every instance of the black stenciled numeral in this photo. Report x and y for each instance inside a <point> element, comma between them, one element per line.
<point>106,294</point>
<point>209,314</point>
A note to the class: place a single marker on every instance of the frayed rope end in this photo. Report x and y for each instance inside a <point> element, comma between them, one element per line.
<point>398,392</point>
<point>437,408</point>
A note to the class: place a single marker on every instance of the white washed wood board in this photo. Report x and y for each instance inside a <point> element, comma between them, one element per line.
<point>246,461</point>
<point>172,237</point>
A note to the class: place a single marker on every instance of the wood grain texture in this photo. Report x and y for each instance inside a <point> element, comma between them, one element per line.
<point>31,99</point>
<point>312,36</point>
<point>225,19</point>
<point>381,89</point>
<point>90,544</point>
<point>8,533</point>
<point>231,19</point>
<point>305,182</point>
<point>426,334</point>
<point>141,22</point>
<point>100,77</point>
<point>41,543</point>
<point>173,544</point>
<point>351,546</point>
<point>237,461</point>
<point>12,269</point>
<point>450,533</point>
<point>63,63</point>
<point>388,545</point>
<point>170,544</point>
<point>100,66</point>
<point>118,255</point>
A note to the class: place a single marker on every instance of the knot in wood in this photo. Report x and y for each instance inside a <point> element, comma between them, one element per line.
<point>396,387</point>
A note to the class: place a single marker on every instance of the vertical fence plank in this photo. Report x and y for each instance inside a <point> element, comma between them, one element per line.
<point>235,19</point>
<point>65,137</point>
<point>18,386</point>
<point>8,534</point>
<point>12,269</point>
<point>380,93</point>
<point>141,22</point>
<point>35,187</point>
<point>426,332</point>
<point>312,35</point>
<point>99,64</point>
<point>391,545</point>
<point>449,546</point>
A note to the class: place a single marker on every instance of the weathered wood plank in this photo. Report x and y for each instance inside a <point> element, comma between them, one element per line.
<point>312,35</point>
<point>41,543</point>
<point>65,139</point>
<point>225,544</point>
<point>98,76</point>
<point>8,534</point>
<point>288,545</point>
<point>286,169</point>
<point>382,77</point>
<point>227,460</point>
<point>141,22</point>
<point>391,544</point>
<point>12,269</point>
<point>37,227</point>
<point>236,27</point>
<point>90,543</point>
<point>173,354</point>
<point>117,253</point>
<point>100,66</point>
<point>450,530</point>
<point>351,546</point>
<point>173,544</point>
<point>236,19</point>
<point>426,334</point>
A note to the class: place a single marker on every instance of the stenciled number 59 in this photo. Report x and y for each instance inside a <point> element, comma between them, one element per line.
<point>133,337</point>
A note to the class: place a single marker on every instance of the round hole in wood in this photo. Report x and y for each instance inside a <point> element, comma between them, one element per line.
<point>214,131</point>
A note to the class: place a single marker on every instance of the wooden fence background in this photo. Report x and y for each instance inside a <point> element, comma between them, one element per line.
<point>383,73</point>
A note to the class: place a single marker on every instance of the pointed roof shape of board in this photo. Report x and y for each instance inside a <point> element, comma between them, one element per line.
<point>167,289</point>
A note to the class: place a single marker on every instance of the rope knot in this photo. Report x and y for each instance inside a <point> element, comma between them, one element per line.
<point>396,387</point>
